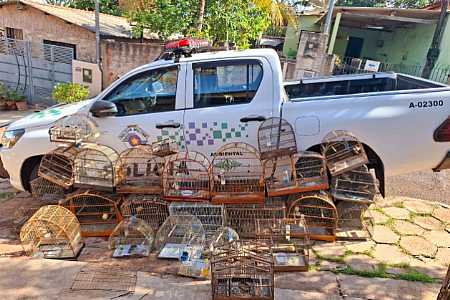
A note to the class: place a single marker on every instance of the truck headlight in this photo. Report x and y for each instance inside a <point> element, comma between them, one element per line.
<point>11,137</point>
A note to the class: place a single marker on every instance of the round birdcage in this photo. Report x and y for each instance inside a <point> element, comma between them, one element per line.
<point>237,175</point>
<point>141,171</point>
<point>358,185</point>
<point>276,137</point>
<point>52,232</point>
<point>98,214</point>
<point>150,208</point>
<point>57,166</point>
<point>74,129</point>
<point>311,171</point>
<point>46,190</point>
<point>186,177</point>
<point>131,237</point>
<point>96,167</point>
<point>320,214</point>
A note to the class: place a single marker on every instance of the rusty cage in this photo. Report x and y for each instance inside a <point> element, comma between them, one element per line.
<point>74,129</point>
<point>150,208</point>
<point>311,171</point>
<point>276,137</point>
<point>357,185</point>
<point>46,190</point>
<point>57,166</point>
<point>354,220</point>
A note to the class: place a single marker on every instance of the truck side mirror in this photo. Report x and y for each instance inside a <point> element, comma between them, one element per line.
<point>101,109</point>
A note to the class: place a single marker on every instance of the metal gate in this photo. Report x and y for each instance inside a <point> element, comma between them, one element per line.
<point>33,69</point>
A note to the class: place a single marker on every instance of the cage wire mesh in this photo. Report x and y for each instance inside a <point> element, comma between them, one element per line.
<point>46,190</point>
<point>311,171</point>
<point>165,147</point>
<point>186,177</point>
<point>98,214</point>
<point>343,152</point>
<point>355,185</point>
<point>152,209</point>
<point>132,237</point>
<point>280,176</point>
<point>320,214</point>
<point>237,175</point>
<point>141,171</point>
<point>96,167</point>
<point>276,137</point>
<point>52,232</point>
<point>57,166</point>
<point>74,129</point>
<point>221,236</point>
<point>444,293</point>
<point>354,220</point>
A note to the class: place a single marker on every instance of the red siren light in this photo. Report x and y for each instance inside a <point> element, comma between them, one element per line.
<point>186,44</point>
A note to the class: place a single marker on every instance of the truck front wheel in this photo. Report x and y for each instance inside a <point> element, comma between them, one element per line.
<point>29,171</point>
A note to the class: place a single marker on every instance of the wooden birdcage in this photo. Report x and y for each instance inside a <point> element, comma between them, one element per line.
<point>165,147</point>
<point>276,137</point>
<point>242,270</point>
<point>98,214</point>
<point>46,190</point>
<point>96,167</point>
<point>141,171</point>
<point>357,185</point>
<point>354,220</point>
<point>444,293</point>
<point>320,214</point>
<point>152,209</point>
<point>311,171</point>
<point>280,176</point>
<point>57,166</point>
<point>242,217</point>
<point>177,233</point>
<point>237,175</point>
<point>343,152</point>
<point>52,232</point>
<point>186,177</point>
<point>132,237</point>
<point>74,129</point>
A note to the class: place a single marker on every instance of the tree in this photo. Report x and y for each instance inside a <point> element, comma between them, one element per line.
<point>201,14</point>
<point>110,7</point>
<point>281,13</point>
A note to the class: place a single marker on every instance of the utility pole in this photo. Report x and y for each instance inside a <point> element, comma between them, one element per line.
<point>327,26</point>
<point>433,52</point>
<point>97,34</point>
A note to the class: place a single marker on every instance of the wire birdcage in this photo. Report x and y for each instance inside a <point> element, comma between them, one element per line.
<point>354,220</point>
<point>57,166</point>
<point>46,190</point>
<point>74,129</point>
<point>320,214</point>
<point>186,177</point>
<point>132,237</point>
<point>357,185</point>
<point>150,208</point>
<point>276,137</point>
<point>343,152</point>
<point>98,214</point>
<point>165,147</point>
<point>280,176</point>
<point>444,293</point>
<point>223,235</point>
<point>237,175</point>
<point>311,171</point>
<point>96,167</point>
<point>52,232</point>
<point>242,218</point>
<point>177,233</point>
<point>141,171</point>
<point>242,270</point>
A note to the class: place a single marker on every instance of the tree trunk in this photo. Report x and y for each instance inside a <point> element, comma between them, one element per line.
<point>201,14</point>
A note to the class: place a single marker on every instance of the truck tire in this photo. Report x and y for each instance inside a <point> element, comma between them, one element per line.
<point>29,171</point>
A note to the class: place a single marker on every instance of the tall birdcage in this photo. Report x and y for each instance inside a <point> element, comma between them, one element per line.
<point>444,293</point>
<point>357,185</point>
<point>141,171</point>
<point>280,176</point>
<point>46,190</point>
<point>276,137</point>
<point>237,175</point>
<point>57,166</point>
<point>354,220</point>
<point>150,208</point>
<point>52,232</point>
<point>311,171</point>
<point>96,167</point>
<point>320,214</point>
<point>98,214</point>
<point>165,147</point>
<point>242,270</point>
<point>186,177</point>
<point>74,129</point>
<point>343,152</point>
<point>132,237</point>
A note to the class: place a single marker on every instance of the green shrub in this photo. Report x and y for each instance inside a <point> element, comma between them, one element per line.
<point>3,90</point>
<point>15,96</point>
<point>69,93</point>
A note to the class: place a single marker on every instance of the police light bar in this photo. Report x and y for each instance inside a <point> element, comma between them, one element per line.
<point>186,44</point>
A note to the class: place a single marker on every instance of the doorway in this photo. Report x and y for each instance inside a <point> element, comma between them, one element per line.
<point>354,47</point>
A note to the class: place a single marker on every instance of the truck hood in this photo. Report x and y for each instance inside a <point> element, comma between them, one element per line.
<point>49,115</point>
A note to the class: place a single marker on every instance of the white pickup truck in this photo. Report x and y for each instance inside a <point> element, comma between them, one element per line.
<point>209,99</point>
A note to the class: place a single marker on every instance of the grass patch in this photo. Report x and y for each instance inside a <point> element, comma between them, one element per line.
<point>332,258</point>
<point>398,204</point>
<point>413,275</point>
<point>377,273</point>
<point>5,196</point>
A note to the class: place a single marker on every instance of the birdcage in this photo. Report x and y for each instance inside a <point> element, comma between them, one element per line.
<point>150,208</point>
<point>320,214</point>
<point>141,171</point>
<point>132,237</point>
<point>96,167</point>
<point>354,220</point>
<point>165,147</point>
<point>75,129</point>
<point>223,235</point>
<point>343,152</point>
<point>98,214</point>
<point>57,166</point>
<point>186,177</point>
<point>177,233</point>
<point>276,137</point>
<point>280,176</point>
<point>311,171</point>
<point>52,232</point>
<point>237,175</point>
<point>242,270</point>
<point>355,185</point>
<point>46,190</point>
<point>444,293</point>
<point>242,218</point>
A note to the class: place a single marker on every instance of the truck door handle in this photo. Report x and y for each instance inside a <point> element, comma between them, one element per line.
<point>253,119</point>
<point>168,125</point>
